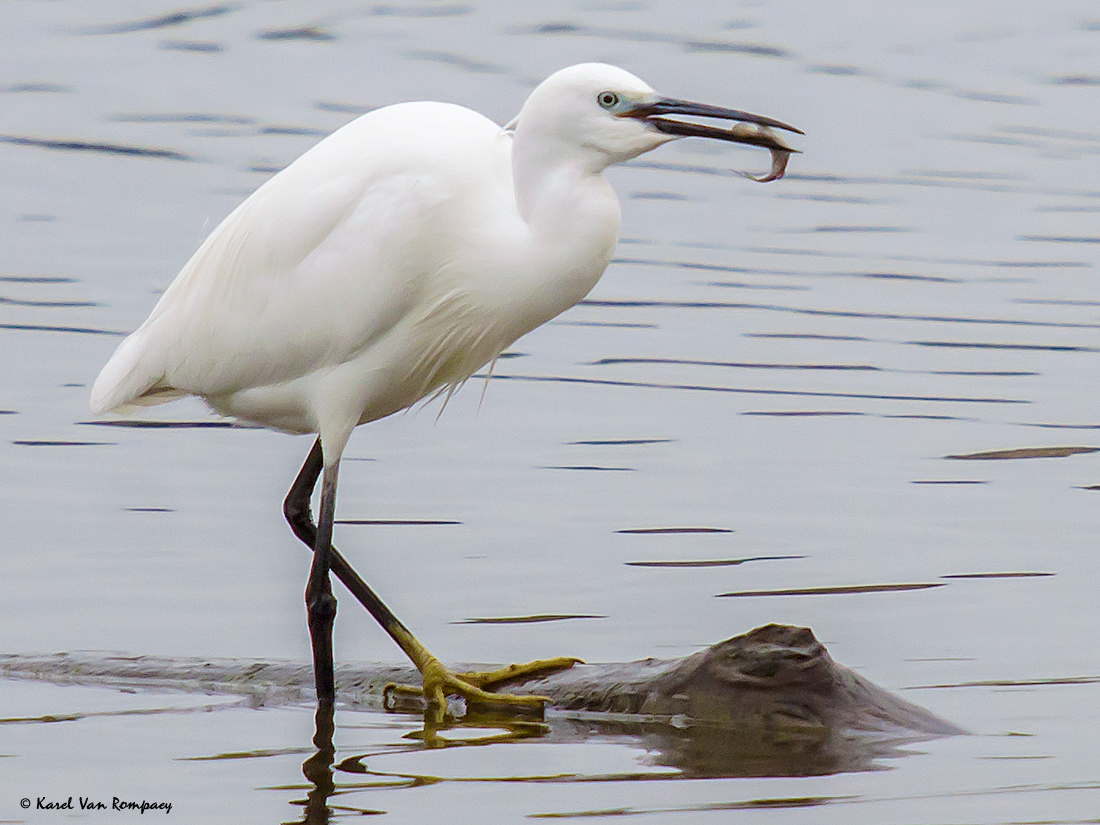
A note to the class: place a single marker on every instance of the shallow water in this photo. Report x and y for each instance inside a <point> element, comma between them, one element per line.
<point>809,369</point>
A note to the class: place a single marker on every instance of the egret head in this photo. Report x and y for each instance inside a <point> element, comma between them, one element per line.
<point>602,115</point>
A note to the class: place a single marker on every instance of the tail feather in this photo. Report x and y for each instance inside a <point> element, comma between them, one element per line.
<point>127,381</point>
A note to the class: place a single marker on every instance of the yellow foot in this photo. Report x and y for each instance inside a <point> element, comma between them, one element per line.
<point>478,689</point>
<point>495,679</point>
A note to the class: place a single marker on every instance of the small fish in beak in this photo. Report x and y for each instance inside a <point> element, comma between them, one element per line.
<point>781,153</point>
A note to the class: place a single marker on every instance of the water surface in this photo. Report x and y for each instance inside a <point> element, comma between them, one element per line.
<point>791,373</point>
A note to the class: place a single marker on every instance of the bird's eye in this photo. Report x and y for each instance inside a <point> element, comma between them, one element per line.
<point>608,100</point>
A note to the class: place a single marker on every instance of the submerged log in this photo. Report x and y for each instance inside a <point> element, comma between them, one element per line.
<point>771,702</point>
<point>768,702</point>
<point>774,676</point>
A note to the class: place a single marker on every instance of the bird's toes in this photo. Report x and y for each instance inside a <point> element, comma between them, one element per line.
<point>518,673</point>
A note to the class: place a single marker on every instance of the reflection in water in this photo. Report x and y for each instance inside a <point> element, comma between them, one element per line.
<point>708,562</point>
<point>832,313</point>
<point>670,753</point>
<point>163,21</point>
<point>537,618</point>
<point>790,749</point>
<point>607,382</point>
<point>837,590</point>
<point>307,33</point>
<point>506,727</point>
<point>747,805</point>
<point>1024,452</point>
<point>318,768</point>
<point>55,328</point>
<point>671,530</point>
<point>22,442</point>
<point>690,44</point>
<point>90,146</point>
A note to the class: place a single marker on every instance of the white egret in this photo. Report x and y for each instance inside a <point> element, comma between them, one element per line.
<point>389,262</point>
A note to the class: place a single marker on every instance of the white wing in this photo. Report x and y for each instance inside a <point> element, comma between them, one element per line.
<point>315,266</point>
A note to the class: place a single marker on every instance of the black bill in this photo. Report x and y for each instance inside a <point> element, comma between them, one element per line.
<point>656,113</point>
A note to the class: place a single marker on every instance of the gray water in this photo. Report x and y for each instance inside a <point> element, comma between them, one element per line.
<point>801,367</point>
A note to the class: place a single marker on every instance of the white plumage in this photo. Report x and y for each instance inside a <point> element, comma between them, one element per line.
<point>387,262</point>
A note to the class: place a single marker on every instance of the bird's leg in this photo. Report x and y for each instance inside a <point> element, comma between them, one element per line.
<point>438,681</point>
<point>296,506</point>
<point>320,603</point>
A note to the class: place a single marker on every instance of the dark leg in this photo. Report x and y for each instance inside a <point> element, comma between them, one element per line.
<point>320,603</point>
<point>296,507</point>
<point>438,681</point>
<point>298,515</point>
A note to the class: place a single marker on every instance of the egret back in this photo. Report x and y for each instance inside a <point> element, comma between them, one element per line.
<point>321,261</point>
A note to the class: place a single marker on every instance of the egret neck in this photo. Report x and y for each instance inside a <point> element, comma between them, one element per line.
<point>572,216</point>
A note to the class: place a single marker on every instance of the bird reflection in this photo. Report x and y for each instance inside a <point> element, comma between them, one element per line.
<point>703,751</point>
<point>318,768</point>
<point>506,727</point>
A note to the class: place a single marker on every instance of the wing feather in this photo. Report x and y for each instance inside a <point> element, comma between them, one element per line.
<point>323,259</point>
